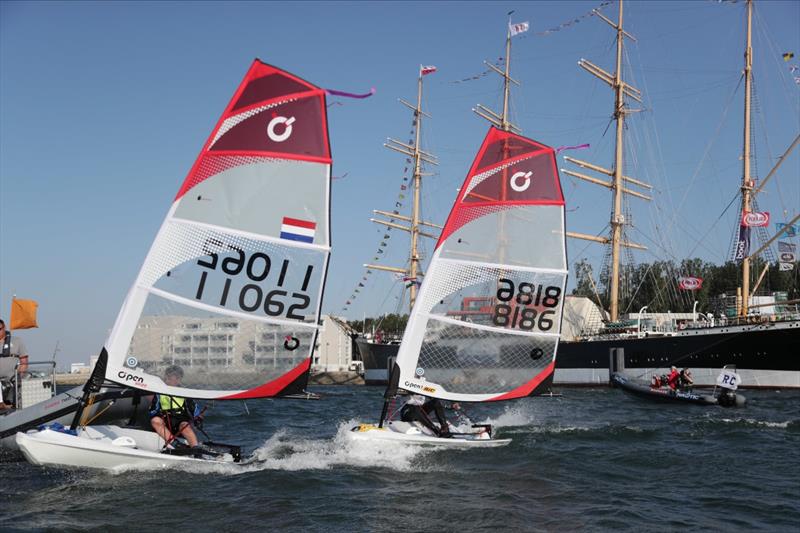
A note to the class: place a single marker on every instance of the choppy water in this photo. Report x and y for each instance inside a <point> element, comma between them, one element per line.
<point>594,459</point>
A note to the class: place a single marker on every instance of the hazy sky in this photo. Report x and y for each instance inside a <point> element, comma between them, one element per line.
<point>104,106</point>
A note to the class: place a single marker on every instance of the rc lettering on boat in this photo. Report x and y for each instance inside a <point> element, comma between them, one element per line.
<point>239,264</point>
<point>728,379</point>
<point>503,242</point>
<point>755,219</point>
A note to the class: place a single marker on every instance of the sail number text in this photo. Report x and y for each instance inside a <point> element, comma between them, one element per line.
<point>251,296</point>
<point>514,313</point>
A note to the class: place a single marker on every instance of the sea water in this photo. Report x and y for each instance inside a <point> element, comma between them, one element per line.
<point>592,459</point>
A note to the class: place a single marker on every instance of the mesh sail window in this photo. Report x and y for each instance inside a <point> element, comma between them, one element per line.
<point>486,323</point>
<point>231,288</point>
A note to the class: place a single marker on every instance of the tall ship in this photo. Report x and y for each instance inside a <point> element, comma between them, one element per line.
<point>758,334</point>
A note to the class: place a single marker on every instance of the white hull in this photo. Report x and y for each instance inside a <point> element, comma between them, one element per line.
<point>105,447</point>
<point>412,434</point>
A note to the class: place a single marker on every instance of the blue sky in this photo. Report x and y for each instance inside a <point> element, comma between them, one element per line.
<point>104,107</point>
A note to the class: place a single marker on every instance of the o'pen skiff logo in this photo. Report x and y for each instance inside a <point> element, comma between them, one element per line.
<point>131,362</point>
<point>524,185</point>
<point>287,132</point>
<point>420,371</point>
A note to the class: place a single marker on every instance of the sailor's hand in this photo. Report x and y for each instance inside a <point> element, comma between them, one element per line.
<point>456,406</point>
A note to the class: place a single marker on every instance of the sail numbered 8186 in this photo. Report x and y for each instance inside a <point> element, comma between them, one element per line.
<point>231,288</point>
<point>487,321</point>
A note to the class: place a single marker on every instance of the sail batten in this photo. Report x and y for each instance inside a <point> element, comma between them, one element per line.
<point>486,328</point>
<point>231,289</point>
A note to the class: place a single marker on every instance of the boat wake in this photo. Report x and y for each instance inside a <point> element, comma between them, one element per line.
<point>751,422</point>
<point>288,452</point>
<point>514,419</point>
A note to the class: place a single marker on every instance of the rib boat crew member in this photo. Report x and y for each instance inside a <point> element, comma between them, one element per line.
<point>685,379</point>
<point>173,416</point>
<point>673,377</point>
<point>13,361</point>
<point>418,408</point>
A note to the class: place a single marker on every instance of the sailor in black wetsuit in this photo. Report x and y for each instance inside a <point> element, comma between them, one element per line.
<point>418,409</point>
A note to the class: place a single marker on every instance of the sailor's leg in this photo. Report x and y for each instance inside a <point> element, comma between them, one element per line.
<point>161,428</point>
<point>443,430</point>
<point>185,430</point>
<point>420,416</point>
<point>442,419</point>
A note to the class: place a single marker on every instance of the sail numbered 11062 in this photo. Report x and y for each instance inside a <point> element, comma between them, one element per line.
<point>232,286</point>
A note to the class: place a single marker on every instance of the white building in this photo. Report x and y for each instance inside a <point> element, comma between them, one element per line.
<point>334,349</point>
<point>78,368</point>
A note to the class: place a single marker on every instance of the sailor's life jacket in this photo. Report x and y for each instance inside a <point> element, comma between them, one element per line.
<point>173,405</point>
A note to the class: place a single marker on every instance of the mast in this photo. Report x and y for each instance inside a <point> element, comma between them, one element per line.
<point>413,271</point>
<point>747,183</point>
<point>501,121</point>
<point>617,185</point>
<point>617,219</point>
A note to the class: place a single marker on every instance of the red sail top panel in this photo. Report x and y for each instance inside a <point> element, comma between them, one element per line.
<point>268,82</point>
<point>509,171</point>
<point>272,114</point>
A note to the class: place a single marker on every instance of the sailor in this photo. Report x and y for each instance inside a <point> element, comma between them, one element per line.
<point>173,416</point>
<point>672,378</point>
<point>685,380</point>
<point>13,361</point>
<point>418,408</point>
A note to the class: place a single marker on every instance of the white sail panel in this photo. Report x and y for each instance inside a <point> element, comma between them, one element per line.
<point>244,193</point>
<point>533,236</point>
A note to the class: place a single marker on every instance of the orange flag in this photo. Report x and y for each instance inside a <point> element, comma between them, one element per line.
<point>23,314</point>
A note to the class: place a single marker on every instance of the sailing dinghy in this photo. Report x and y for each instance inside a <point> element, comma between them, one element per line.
<point>504,240</point>
<point>232,286</point>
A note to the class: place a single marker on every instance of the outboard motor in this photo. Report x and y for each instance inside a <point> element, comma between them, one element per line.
<point>729,398</point>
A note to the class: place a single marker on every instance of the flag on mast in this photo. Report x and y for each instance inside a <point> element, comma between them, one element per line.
<point>426,69</point>
<point>519,27</point>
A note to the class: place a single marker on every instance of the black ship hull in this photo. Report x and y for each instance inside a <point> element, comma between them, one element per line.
<point>766,356</point>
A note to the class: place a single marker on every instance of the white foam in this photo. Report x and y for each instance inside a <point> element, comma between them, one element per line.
<point>758,423</point>
<point>285,451</point>
<point>512,416</point>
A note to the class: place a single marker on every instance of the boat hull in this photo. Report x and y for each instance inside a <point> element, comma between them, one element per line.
<point>103,447</point>
<point>407,433</point>
<point>111,405</point>
<point>765,355</point>
<point>662,394</point>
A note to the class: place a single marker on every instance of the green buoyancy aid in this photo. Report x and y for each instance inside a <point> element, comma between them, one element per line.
<point>171,403</point>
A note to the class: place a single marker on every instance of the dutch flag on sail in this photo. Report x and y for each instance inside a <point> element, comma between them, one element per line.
<point>298,230</point>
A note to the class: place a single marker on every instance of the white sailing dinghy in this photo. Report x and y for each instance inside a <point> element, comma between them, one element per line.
<point>232,286</point>
<point>504,241</point>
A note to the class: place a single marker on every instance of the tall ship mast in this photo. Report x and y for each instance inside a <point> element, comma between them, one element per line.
<point>622,90</point>
<point>502,121</point>
<point>413,271</point>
